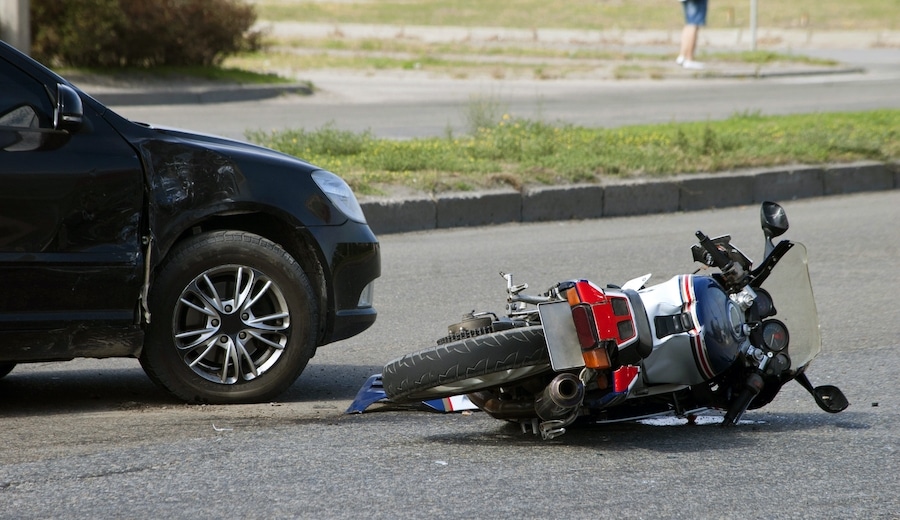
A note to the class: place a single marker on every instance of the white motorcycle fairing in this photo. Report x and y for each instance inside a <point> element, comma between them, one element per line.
<point>695,334</point>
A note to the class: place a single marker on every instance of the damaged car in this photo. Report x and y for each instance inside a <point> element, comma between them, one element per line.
<point>222,266</point>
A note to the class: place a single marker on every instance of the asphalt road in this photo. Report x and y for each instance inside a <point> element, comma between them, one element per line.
<point>408,105</point>
<point>95,439</point>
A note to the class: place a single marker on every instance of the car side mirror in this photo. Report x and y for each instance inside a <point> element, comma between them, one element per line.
<point>8,138</point>
<point>20,131</point>
<point>69,112</point>
<point>774,222</point>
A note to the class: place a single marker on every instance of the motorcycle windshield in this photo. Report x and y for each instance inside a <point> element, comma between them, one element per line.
<point>792,293</point>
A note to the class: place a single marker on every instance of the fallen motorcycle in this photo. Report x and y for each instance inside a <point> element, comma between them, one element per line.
<point>697,343</point>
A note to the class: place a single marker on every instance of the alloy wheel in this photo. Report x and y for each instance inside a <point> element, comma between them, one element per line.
<point>231,324</point>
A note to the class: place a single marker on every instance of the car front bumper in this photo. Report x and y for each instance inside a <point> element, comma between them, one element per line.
<point>353,255</point>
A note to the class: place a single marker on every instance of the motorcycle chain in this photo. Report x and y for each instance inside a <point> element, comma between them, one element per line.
<point>465,334</point>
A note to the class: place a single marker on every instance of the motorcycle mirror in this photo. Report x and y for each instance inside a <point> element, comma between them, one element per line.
<point>774,222</point>
<point>773,219</point>
<point>830,398</point>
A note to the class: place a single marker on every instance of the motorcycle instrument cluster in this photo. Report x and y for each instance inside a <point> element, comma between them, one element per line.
<point>775,335</point>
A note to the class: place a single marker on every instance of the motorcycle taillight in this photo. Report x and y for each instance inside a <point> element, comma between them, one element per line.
<point>585,326</point>
<point>600,315</point>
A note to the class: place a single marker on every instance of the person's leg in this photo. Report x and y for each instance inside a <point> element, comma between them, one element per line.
<point>688,42</point>
<point>694,16</point>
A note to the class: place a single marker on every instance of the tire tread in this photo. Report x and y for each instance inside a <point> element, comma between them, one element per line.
<point>409,375</point>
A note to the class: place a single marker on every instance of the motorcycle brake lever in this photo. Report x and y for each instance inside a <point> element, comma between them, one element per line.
<point>510,288</point>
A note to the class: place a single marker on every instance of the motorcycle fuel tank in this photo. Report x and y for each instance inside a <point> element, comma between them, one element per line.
<point>697,330</point>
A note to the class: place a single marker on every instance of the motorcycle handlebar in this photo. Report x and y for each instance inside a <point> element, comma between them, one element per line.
<point>719,258</point>
<point>533,300</point>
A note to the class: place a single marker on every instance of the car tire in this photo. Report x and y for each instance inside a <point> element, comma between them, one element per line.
<point>233,320</point>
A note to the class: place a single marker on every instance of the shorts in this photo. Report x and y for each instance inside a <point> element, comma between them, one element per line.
<point>694,12</point>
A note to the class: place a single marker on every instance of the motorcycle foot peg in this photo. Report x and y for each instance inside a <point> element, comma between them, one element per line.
<point>552,429</point>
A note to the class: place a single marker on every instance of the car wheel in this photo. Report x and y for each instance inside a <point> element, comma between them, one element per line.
<point>6,368</point>
<point>234,320</point>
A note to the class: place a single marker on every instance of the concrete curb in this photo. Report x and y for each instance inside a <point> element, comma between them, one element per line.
<point>678,193</point>
<point>194,94</point>
<point>760,73</point>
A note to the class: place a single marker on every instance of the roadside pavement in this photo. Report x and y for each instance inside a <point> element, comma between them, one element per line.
<point>858,51</point>
<point>854,52</point>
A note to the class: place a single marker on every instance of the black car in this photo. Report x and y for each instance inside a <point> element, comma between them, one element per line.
<point>221,265</point>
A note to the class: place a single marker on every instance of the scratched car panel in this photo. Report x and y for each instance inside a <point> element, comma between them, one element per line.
<point>221,265</point>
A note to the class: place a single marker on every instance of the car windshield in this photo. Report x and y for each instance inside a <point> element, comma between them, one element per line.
<point>792,293</point>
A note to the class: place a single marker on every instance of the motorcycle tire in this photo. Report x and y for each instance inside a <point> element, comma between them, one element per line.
<point>467,365</point>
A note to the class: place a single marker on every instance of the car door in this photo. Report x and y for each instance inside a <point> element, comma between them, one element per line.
<point>70,215</point>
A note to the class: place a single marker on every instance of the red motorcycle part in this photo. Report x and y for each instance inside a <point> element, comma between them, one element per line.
<point>601,318</point>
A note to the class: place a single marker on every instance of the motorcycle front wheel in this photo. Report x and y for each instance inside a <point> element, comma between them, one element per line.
<point>467,365</point>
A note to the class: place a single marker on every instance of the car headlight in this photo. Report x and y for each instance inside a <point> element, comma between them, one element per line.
<point>340,194</point>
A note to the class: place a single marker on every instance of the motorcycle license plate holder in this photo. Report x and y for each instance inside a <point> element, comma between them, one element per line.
<point>561,336</point>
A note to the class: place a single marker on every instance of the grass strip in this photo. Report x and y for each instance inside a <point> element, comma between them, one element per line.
<point>518,152</point>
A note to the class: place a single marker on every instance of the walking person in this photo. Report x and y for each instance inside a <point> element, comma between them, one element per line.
<point>694,17</point>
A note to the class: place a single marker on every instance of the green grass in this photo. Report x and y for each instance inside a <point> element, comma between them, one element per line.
<point>586,14</point>
<point>519,152</point>
<point>500,149</point>
<point>503,150</point>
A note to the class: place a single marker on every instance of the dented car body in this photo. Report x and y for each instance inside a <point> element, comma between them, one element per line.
<point>221,265</point>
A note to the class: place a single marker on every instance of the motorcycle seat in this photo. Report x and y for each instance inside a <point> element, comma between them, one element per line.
<point>634,353</point>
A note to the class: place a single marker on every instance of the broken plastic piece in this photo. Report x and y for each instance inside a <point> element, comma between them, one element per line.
<point>456,403</point>
<point>370,393</point>
<point>373,392</point>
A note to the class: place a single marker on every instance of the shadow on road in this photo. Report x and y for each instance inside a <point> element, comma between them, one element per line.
<point>674,438</point>
<point>78,390</point>
<point>66,391</point>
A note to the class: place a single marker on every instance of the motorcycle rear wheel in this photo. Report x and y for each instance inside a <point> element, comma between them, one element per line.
<point>467,365</point>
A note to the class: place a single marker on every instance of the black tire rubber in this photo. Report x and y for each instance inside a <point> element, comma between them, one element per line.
<point>6,368</point>
<point>160,357</point>
<point>467,365</point>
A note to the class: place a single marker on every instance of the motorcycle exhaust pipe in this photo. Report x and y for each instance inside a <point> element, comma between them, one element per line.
<point>504,410</point>
<point>562,396</point>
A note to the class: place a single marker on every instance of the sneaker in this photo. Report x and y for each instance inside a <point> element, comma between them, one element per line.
<point>693,65</point>
<point>679,60</point>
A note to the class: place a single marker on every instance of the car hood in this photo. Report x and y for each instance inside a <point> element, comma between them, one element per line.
<point>231,147</point>
<point>192,177</point>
